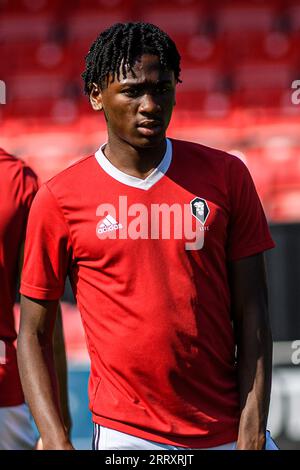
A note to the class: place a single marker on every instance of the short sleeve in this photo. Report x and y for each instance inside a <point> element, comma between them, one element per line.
<point>47,249</point>
<point>248,228</point>
<point>30,187</point>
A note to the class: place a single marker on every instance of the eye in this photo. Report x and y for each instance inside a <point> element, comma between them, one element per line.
<point>163,89</point>
<point>131,92</point>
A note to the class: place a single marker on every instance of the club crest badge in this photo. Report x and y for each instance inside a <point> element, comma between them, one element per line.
<point>200,209</point>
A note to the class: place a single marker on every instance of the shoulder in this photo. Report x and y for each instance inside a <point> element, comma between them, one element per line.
<point>211,162</point>
<point>17,173</point>
<point>199,151</point>
<point>9,163</point>
<point>78,173</point>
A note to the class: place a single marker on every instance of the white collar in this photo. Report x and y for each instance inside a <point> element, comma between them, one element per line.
<point>129,180</point>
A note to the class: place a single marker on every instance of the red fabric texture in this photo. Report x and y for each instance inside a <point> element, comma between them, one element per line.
<point>156,315</point>
<point>18,185</point>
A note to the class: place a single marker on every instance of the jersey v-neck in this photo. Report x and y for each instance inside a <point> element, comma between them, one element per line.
<point>133,181</point>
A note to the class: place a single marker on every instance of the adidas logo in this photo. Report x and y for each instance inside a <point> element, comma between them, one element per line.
<point>109,224</point>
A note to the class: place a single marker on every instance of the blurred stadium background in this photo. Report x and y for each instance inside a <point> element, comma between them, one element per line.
<point>239,60</point>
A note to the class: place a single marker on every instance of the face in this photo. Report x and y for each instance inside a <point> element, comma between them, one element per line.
<point>199,208</point>
<point>138,108</point>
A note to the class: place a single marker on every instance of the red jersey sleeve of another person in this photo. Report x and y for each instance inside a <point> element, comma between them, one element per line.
<point>248,228</point>
<point>30,184</point>
<point>18,186</point>
<point>47,249</point>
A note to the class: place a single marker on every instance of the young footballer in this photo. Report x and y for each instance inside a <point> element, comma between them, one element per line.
<point>163,242</point>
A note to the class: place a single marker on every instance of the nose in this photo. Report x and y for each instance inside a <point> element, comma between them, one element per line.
<point>149,104</point>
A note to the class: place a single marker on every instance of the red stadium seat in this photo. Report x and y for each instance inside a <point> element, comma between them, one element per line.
<point>259,98</point>
<point>20,27</point>
<point>104,5</point>
<point>284,206</point>
<point>29,7</point>
<point>199,50</point>
<point>190,100</point>
<point>36,86</point>
<point>245,17</point>
<point>263,75</point>
<point>87,26</point>
<point>35,57</point>
<point>235,67</point>
<point>285,163</point>
<point>294,15</point>
<point>170,18</point>
<point>200,78</point>
<point>258,46</point>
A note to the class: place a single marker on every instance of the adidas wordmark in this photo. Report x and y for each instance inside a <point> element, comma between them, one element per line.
<point>109,224</point>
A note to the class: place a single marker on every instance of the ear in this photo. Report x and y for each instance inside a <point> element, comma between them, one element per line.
<point>96,98</point>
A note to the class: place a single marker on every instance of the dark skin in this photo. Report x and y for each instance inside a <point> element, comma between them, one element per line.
<point>137,111</point>
<point>37,371</point>
<point>60,363</point>
<point>148,98</point>
<point>254,348</point>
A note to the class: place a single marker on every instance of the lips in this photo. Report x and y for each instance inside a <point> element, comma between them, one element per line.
<point>150,123</point>
<point>150,127</point>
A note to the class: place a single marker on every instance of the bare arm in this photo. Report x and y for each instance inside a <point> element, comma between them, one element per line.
<point>37,370</point>
<point>254,348</point>
<point>60,362</point>
<point>59,358</point>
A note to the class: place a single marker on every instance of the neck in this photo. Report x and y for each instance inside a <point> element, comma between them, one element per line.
<point>138,162</point>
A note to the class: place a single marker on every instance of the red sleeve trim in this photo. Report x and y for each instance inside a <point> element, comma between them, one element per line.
<point>40,292</point>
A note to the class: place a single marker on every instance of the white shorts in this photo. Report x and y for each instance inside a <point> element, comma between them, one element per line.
<point>16,430</point>
<point>110,439</point>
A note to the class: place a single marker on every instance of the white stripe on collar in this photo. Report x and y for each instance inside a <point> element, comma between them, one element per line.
<point>129,180</point>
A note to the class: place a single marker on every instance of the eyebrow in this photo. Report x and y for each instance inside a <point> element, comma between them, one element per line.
<point>145,82</point>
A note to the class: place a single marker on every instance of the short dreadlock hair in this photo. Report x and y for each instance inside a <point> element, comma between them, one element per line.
<point>118,47</point>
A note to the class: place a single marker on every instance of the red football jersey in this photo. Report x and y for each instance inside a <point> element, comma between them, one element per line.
<point>147,262</point>
<point>18,185</point>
